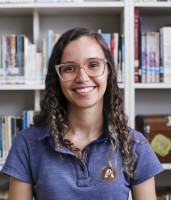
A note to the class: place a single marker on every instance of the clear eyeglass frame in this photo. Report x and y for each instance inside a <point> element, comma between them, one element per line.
<point>79,66</point>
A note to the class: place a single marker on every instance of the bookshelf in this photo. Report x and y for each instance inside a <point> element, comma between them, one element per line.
<point>35,19</point>
<point>151,98</point>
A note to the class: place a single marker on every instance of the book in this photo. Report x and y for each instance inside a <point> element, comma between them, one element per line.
<point>136,45</point>
<point>143,57</point>
<point>167,54</point>
<point>123,58</point>
<point>139,51</point>
<point>17,60</point>
<point>50,44</point>
<point>116,49</point>
<point>161,55</point>
<point>14,70</point>
<point>107,37</point>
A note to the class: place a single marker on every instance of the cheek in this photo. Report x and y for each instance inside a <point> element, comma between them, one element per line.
<point>64,89</point>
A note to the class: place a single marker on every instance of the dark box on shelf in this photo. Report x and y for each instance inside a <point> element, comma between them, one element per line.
<point>157,129</point>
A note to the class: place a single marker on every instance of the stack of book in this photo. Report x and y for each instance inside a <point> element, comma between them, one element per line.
<point>117,46</point>
<point>152,54</point>
<point>19,60</point>
<point>9,127</point>
<point>48,43</point>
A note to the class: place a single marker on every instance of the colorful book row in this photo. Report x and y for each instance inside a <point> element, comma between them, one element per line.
<point>152,62</point>
<point>9,127</point>
<point>18,60</point>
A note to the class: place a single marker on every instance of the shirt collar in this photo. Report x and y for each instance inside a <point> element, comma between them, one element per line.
<point>45,132</point>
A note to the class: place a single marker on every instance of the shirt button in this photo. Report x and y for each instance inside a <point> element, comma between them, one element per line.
<point>82,167</point>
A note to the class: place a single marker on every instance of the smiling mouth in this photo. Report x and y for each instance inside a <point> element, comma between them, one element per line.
<point>84,90</point>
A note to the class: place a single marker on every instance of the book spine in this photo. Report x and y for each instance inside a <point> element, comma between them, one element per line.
<point>157,60</point>
<point>116,49</point>
<point>112,45</point>
<point>9,133</point>
<point>39,68</point>
<point>18,58</point>
<point>26,67</point>
<point>4,58</point>
<point>6,136</point>
<point>143,57</point>
<point>152,57</point>
<point>166,54</point>
<point>33,63</point>
<point>136,45</point>
<point>45,59</point>
<point>13,59</point>
<point>9,60</point>
<point>50,36</point>
<point>123,57</point>
<point>24,119</point>
<point>3,137</point>
<point>148,56</point>
<point>139,52</point>
<point>161,56</point>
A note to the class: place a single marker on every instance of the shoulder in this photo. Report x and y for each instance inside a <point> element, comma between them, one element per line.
<point>147,164</point>
<point>35,132</point>
<point>137,136</point>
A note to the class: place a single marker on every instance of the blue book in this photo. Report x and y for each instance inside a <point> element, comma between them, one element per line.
<point>50,38</point>
<point>107,37</point>
<point>24,119</point>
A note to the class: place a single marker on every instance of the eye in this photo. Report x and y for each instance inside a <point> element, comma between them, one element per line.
<point>94,65</point>
<point>69,68</point>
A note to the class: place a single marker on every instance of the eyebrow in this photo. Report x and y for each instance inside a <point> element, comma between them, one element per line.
<point>93,58</point>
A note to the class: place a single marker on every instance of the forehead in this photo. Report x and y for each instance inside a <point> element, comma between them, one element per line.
<point>82,49</point>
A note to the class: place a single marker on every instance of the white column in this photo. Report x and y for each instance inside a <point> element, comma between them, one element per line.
<point>131,65</point>
<point>36,28</point>
<point>37,100</point>
<point>36,41</point>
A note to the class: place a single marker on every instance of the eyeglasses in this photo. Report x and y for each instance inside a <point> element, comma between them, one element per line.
<point>93,67</point>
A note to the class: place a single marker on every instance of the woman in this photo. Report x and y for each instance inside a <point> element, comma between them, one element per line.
<point>80,146</point>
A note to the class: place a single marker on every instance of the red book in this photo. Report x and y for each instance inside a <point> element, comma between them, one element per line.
<point>136,45</point>
<point>112,45</point>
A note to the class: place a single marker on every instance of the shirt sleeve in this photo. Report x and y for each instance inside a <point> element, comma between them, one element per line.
<point>18,163</point>
<point>148,164</point>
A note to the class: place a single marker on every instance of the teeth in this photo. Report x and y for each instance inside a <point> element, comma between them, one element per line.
<point>84,90</point>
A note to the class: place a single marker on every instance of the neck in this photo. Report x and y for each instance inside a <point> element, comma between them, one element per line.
<point>85,125</point>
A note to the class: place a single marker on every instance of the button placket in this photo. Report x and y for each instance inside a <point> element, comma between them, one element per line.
<point>83,179</point>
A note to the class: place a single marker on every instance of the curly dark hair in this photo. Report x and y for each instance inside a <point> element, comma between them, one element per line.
<point>54,104</point>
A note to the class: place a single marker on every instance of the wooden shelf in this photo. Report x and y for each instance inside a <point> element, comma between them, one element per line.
<point>106,7</point>
<point>166,166</point>
<point>152,86</point>
<point>22,87</point>
<point>33,87</point>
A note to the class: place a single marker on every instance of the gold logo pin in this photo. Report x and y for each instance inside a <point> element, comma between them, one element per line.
<point>109,174</point>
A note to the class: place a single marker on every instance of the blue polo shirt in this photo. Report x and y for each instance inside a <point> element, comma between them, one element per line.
<point>57,174</point>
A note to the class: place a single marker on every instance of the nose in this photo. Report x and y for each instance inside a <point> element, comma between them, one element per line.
<point>82,76</point>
